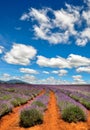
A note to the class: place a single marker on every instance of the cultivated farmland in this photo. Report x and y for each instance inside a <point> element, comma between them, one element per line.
<point>50,107</point>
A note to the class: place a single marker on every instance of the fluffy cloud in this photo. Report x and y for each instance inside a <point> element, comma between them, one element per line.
<point>83,69</point>
<point>84,37</point>
<point>54,38</point>
<point>25,16</point>
<point>59,62</point>
<point>81,41</point>
<point>55,71</point>
<point>59,28</point>
<point>5,76</point>
<point>45,72</point>
<point>66,19</point>
<point>61,72</point>
<point>86,16</point>
<point>77,60</point>
<point>78,79</point>
<point>28,71</point>
<point>20,54</point>
<point>86,33</point>
<point>1,49</point>
<point>39,15</point>
<point>52,80</point>
<point>29,78</point>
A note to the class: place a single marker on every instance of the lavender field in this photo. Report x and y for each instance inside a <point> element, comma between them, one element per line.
<point>12,95</point>
<point>73,97</point>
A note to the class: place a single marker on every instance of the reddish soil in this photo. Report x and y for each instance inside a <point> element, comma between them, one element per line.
<point>52,120</point>
<point>8,121</point>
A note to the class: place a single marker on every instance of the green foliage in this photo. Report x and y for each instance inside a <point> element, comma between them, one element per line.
<point>11,90</point>
<point>34,94</point>
<point>18,101</point>
<point>31,97</point>
<point>64,104</point>
<point>5,109</point>
<point>73,114</point>
<point>39,104</point>
<point>74,97</point>
<point>82,101</point>
<point>30,117</point>
<point>5,97</point>
<point>85,103</point>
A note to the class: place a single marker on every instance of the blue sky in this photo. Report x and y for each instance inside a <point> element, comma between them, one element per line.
<point>45,41</point>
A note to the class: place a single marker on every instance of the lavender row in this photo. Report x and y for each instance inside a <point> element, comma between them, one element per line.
<point>12,96</point>
<point>40,103</point>
<point>78,93</point>
<point>64,102</point>
<point>61,97</point>
<point>79,96</point>
<point>32,114</point>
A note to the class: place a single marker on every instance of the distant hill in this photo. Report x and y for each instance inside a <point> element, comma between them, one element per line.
<point>1,81</point>
<point>14,81</point>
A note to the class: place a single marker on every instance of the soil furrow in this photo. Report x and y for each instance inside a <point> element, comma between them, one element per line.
<point>8,121</point>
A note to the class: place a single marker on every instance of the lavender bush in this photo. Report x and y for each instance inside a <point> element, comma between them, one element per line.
<point>30,117</point>
<point>12,96</point>
<point>67,104</point>
<point>5,108</point>
<point>79,94</point>
<point>33,114</point>
<point>73,114</point>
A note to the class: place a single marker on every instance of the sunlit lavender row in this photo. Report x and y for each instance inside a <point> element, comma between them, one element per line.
<point>40,103</point>
<point>65,102</point>
<point>15,95</point>
<point>79,96</point>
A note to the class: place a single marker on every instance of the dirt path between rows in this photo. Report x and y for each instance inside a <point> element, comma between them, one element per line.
<point>8,121</point>
<point>51,116</point>
<point>52,120</point>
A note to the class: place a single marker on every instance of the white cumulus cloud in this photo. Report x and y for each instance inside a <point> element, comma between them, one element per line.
<point>28,71</point>
<point>71,61</point>
<point>58,62</point>
<point>45,72</point>
<point>61,72</point>
<point>78,60</point>
<point>25,16</point>
<point>29,78</point>
<point>78,79</point>
<point>20,54</point>
<point>62,24</point>
<point>64,20</point>
<point>52,80</point>
<point>83,69</point>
